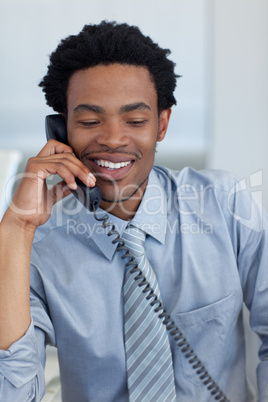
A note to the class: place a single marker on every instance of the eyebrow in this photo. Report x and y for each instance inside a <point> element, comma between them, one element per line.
<point>89,108</point>
<point>134,106</point>
<point>123,109</point>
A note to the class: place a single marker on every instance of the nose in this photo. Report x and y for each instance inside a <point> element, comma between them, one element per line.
<point>113,136</point>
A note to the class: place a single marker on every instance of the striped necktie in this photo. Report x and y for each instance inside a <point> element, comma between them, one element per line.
<point>148,357</point>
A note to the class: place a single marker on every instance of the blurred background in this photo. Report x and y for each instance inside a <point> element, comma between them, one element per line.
<point>220,48</point>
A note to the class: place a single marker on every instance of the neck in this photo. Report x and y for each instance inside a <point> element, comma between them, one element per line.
<point>125,209</point>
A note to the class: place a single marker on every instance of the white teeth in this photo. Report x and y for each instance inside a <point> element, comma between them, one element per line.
<point>111,165</point>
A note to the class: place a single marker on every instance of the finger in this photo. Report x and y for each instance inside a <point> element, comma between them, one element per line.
<point>67,166</point>
<point>77,168</point>
<point>55,147</point>
<point>66,158</point>
<point>68,172</point>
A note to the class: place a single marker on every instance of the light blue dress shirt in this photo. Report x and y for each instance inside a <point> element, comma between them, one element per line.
<point>207,242</point>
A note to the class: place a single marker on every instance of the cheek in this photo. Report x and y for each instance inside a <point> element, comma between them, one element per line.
<point>78,143</point>
<point>149,147</point>
<point>148,140</point>
<point>75,147</point>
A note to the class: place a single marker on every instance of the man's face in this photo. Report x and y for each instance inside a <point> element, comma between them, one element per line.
<point>113,126</point>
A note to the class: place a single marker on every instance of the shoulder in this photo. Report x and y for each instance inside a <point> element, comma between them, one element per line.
<point>219,193</point>
<point>191,180</point>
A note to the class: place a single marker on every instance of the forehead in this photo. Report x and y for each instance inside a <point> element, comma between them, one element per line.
<point>115,84</point>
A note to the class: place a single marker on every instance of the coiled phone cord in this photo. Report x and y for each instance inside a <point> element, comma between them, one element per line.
<point>159,308</point>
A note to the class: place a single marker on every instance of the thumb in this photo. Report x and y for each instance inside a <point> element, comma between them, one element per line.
<point>59,191</point>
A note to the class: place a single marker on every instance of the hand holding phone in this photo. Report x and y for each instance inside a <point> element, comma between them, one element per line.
<point>33,200</point>
<point>90,197</point>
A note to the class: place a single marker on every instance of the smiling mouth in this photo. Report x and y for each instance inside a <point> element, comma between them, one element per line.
<point>111,165</point>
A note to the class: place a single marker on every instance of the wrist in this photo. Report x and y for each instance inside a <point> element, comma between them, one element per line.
<point>14,222</point>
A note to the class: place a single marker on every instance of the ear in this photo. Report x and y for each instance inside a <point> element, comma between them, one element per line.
<point>163,124</point>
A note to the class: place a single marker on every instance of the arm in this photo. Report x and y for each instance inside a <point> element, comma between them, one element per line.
<point>253,265</point>
<point>15,253</point>
<point>31,207</point>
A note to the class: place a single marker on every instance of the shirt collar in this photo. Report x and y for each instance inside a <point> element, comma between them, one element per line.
<point>152,212</point>
<point>150,217</point>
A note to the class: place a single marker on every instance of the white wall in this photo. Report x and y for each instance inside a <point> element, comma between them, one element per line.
<point>30,30</point>
<point>239,107</point>
<point>220,47</point>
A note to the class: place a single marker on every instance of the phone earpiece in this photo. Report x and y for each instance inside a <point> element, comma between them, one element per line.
<point>90,197</point>
<point>56,128</point>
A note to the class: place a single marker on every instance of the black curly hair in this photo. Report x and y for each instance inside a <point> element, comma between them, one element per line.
<point>107,43</point>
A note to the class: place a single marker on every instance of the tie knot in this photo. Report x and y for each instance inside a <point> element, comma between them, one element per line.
<point>134,239</point>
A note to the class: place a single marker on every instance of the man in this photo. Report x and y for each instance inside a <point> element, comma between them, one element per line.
<point>206,242</point>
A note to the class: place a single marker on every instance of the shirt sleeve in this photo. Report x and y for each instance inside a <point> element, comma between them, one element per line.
<point>22,368</point>
<point>22,365</point>
<point>262,375</point>
<point>252,254</point>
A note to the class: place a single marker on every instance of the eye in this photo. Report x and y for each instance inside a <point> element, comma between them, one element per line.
<point>136,123</point>
<point>90,123</point>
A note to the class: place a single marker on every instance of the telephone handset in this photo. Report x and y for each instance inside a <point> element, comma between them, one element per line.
<point>90,197</point>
